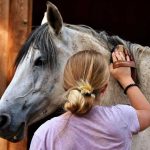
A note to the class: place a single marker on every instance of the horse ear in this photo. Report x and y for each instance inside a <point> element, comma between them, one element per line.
<point>54,18</point>
<point>44,20</point>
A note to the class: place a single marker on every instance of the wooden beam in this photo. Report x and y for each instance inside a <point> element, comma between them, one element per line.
<point>4,17</point>
<point>20,21</point>
<point>4,26</point>
<point>22,145</point>
<point>15,25</point>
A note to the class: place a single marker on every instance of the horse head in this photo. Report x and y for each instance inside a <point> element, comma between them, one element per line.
<point>36,89</point>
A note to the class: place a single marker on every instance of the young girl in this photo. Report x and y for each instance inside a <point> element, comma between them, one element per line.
<point>86,125</point>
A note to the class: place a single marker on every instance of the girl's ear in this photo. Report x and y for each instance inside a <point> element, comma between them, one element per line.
<point>102,91</point>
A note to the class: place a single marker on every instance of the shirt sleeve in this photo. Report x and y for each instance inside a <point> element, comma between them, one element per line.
<point>37,143</point>
<point>39,138</point>
<point>44,136</point>
<point>129,116</point>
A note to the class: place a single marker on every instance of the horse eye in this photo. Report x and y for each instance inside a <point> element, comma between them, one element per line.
<point>40,62</point>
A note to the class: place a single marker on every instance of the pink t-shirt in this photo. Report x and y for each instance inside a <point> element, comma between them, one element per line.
<point>103,128</point>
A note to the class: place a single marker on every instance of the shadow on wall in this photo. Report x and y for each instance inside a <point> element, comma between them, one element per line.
<point>128,19</point>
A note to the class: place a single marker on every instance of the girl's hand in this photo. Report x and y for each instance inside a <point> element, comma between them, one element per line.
<point>121,74</point>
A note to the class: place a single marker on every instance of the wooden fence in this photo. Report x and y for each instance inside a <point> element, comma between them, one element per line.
<point>15,25</point>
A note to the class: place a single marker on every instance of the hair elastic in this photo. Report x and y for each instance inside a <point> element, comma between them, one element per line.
<point>128,86</point>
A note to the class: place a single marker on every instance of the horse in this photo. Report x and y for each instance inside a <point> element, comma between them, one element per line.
<point>36,89</point>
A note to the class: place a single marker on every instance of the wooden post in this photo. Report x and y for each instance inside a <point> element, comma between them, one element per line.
<point>4,15</point>
<point>15,25</point>
<point>19,27</point>
<point>4,26</point>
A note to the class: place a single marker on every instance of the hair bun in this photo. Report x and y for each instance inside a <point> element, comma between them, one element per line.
<point>77,103</point>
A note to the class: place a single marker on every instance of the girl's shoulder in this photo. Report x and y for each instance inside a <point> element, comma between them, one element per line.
<point>52,125</point>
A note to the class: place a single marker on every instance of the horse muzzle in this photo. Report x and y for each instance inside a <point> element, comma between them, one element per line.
<point>9,131</point>
<point>5,120</point>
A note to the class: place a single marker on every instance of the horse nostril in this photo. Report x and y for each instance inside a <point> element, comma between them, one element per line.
<point>4,120</point>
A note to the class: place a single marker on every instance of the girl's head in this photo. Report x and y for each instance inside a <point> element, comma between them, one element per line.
<point>85,76</point>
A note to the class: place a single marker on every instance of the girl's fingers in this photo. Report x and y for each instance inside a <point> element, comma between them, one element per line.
<point>114,58</point>
<point>118,56</point>
<point>122,56</point>
<point>127,58</point>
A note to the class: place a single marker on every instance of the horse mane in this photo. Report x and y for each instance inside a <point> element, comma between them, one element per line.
<point>84,29</point>
<point>40,39</point>
<point>106,40</point>
<point>109,42</point>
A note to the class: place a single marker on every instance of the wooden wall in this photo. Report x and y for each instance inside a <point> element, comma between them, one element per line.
<point>15,25</point>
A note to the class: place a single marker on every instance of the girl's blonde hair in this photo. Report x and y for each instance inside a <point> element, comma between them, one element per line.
<point>86,74</point>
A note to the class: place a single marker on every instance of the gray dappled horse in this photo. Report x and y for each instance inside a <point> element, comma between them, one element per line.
<point>36,89</point>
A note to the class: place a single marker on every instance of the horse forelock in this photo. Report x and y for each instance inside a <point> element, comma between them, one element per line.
<point>40,39</point>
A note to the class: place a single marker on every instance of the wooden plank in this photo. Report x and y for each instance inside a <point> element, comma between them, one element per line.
<point>15,25</point>
<point>20,26</point>
<point>4,17</point>
<point>18,146</point>
<point>3,144</point>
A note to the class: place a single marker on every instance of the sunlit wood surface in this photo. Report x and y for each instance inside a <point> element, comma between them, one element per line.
<point>15,25</point>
